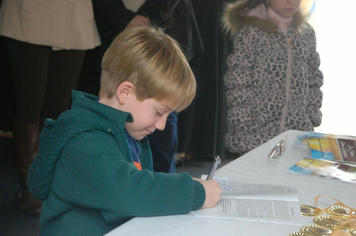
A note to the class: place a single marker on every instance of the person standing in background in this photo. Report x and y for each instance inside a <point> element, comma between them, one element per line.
<point>46,42</point>
<point>273,79</point>
<point>178,20</point>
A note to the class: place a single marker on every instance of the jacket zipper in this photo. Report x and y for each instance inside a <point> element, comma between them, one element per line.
<point>288,82</point>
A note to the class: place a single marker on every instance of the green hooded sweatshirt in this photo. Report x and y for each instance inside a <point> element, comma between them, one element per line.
<point>85,176</point>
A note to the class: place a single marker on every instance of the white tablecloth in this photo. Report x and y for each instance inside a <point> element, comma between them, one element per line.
<point>254,166</point>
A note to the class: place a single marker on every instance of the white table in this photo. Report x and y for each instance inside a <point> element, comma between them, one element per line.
<point>254,166</point>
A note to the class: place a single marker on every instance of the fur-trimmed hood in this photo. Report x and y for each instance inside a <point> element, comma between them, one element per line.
<point>235,16</point>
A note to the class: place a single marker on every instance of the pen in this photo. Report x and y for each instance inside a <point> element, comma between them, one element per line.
<point>279,148</point>
<point>214,167</point>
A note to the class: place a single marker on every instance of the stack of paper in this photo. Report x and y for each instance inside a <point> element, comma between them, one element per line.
<point>256,202</point>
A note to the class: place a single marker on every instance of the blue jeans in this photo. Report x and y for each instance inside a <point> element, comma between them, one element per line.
<point>164,145</point>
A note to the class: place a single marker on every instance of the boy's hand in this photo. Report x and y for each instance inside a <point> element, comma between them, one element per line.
<point>139,21</point>
<point>212,192</point>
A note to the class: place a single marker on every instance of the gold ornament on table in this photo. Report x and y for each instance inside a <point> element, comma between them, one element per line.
<point>299,234</point>
<point>332,222</point>
<point>341,211</point>
<point>316,230</point>
<point>339,221</point>
<point>351,231</point>
<point>307,210</point>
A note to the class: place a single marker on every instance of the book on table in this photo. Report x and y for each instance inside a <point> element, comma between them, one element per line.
<point>256,202</point>
<point>326,169</point>
<point>332,157</point>
<point>330,147</point>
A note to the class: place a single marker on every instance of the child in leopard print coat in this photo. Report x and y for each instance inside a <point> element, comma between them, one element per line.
<point>273,79</point>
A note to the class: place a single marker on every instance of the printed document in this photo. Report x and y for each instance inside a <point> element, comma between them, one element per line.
<point>256,202</point>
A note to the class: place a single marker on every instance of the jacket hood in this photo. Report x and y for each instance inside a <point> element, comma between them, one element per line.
<point>57,133</point>
<point>236,15</point>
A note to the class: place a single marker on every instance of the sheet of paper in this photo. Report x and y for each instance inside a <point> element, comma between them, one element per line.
<point>256,202</point>
<point>233,189</point>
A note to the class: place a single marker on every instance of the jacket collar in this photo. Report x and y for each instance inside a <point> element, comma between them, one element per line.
<point>235,16</point>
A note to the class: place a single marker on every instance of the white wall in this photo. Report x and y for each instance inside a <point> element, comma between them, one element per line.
<point>334,23</point>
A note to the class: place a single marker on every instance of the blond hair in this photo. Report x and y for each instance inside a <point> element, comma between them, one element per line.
<point>153,62</point>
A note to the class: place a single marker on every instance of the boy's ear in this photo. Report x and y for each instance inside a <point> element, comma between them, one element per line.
<point>124,90</point>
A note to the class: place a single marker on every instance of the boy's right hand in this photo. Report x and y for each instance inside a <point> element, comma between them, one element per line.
<point>212,192</point>
<point>139,21</point>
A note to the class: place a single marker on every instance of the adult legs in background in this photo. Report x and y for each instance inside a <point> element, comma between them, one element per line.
<point>89,79</point>
<point>29,65</point>
<point>164,146</point>
<point>7,92</point>
<point>7,116</point>
<point>34,70</point>
<point>63,75</point>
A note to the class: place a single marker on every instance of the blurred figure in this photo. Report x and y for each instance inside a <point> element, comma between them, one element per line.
<point>46,43</point>
<point>273,79</point>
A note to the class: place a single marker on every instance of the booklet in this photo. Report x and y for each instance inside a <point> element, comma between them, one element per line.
<point>256,202</point>
<point>330,147</point>
<point>326,169</point>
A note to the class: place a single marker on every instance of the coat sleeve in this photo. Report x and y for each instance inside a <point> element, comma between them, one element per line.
<point>315,77</point>
<point>111,16</point>
<point>96,172</point>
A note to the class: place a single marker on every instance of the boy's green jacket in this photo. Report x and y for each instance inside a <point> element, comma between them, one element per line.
<point>85,175</point>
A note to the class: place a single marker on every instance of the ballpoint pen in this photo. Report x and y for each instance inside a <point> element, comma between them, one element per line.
<point>214,167</point>
<point>279,148</point>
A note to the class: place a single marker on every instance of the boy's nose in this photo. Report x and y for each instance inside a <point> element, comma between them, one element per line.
<point>161,123</point>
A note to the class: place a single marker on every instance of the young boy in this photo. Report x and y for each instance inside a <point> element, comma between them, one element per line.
<point>94,167</point>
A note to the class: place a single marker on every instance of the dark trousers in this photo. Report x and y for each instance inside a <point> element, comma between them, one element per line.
<point>164,145</point>
<point>43,79</point>
<point>7,91</point>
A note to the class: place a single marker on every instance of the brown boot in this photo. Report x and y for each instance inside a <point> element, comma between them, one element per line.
<point>26,141</point>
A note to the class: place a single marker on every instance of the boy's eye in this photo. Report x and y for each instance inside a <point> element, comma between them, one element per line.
<point>158,113</point>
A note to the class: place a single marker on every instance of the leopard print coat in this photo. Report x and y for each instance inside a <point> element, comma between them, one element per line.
<point>273,81</point>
